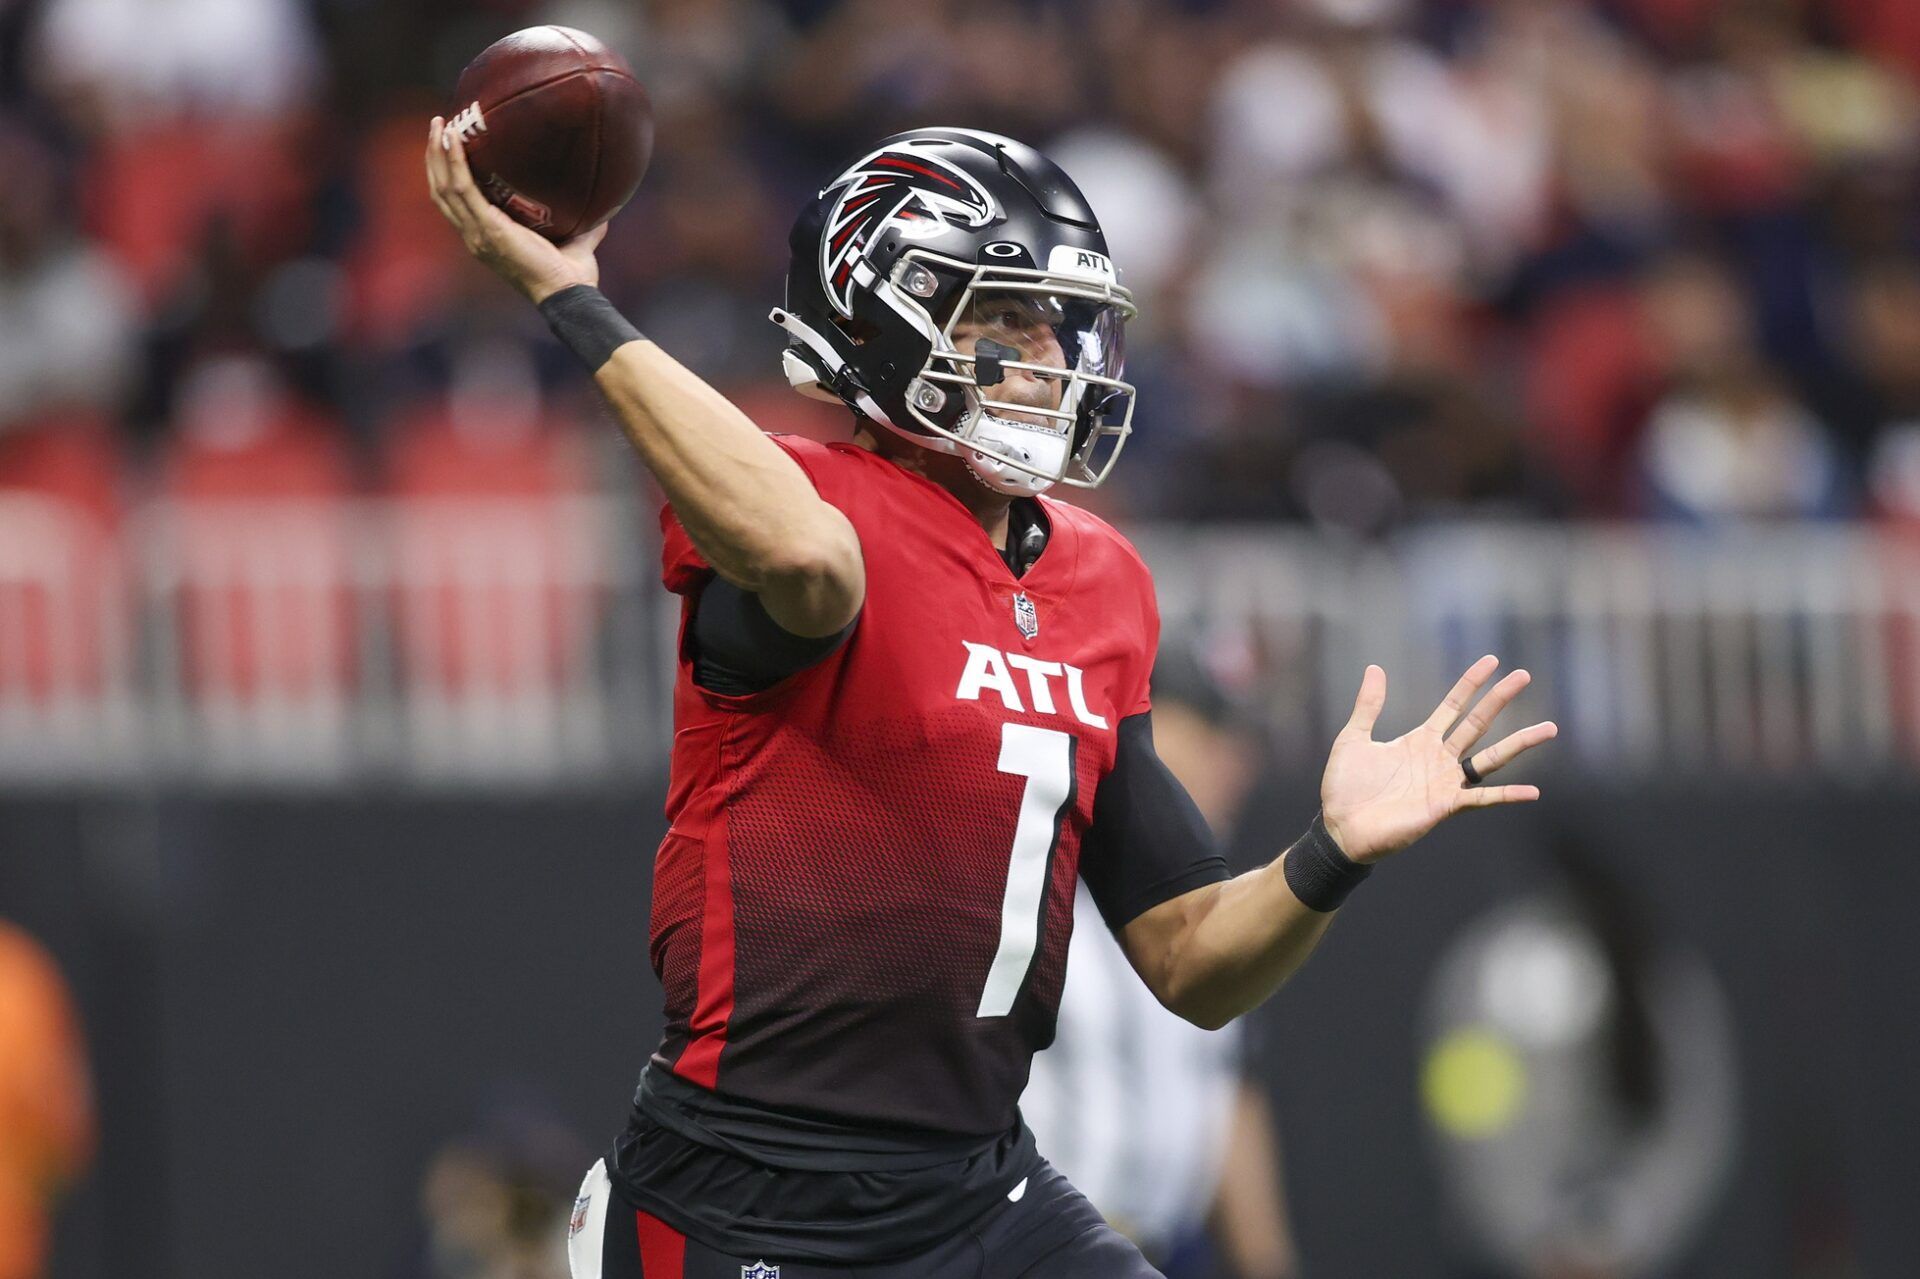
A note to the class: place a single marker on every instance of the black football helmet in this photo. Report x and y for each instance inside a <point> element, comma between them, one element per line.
<point>936,228</point>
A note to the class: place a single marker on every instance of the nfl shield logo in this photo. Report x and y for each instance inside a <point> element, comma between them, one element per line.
<point>1025,616</point>
<point>579,1221</point>
<point>760,1270</point>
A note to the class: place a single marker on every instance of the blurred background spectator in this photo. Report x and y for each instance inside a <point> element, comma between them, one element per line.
<point>1398,258</point>
<point>495,1202</point>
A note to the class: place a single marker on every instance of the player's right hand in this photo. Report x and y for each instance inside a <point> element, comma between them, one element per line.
<point>522,257</point>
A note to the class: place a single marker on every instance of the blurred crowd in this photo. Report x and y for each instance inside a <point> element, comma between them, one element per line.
<point>1398,259</point>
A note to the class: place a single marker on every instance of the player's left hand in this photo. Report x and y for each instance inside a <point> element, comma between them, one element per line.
<point>1378,797</point>
<point>521,256</point>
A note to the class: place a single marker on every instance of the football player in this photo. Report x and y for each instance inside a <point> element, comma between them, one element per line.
<point>912,707</point>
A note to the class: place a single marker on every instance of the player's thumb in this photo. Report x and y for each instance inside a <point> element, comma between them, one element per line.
<point>1372,696</point>
<point>587,241</point>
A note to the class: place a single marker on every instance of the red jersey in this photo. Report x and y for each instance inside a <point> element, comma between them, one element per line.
<point>861,909</point>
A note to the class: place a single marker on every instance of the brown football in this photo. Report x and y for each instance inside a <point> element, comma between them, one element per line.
<point>557,130</point>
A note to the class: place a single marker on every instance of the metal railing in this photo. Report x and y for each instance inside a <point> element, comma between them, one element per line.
<point>527,642</point>
<point>1748,650</point>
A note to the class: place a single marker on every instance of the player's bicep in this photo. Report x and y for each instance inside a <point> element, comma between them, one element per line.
<point>818,588</point>
<point>809,574</point>
<point>1148,843</point>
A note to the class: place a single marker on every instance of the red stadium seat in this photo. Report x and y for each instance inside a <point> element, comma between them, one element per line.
<point>1887,30</point>
<point>72,456</point>
<point>496,564</point>
<point>154,195</point>
<point>265,560</point>
<point>406,262</point>
<point>63,610</point>
<point>1589,375</point>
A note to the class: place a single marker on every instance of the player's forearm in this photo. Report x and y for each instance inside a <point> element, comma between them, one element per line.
<point>1242,941</point>
<point>749,508</point>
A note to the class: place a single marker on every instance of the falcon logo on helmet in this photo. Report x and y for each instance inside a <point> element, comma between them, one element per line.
<point>953,287</point>
<point>893,185</point>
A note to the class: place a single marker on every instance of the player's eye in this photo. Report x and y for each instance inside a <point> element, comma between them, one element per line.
<point>1005,313</point>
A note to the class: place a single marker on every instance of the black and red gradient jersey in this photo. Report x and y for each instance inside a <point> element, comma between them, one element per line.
<point>862,906</point>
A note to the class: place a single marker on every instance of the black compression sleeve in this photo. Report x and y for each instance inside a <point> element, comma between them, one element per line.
<point>739,649</point>
<point>1148,842</point>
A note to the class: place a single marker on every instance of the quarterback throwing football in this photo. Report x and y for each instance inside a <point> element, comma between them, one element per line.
<point>912,706</point>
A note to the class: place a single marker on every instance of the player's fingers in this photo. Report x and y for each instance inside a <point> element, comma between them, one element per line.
<point>1456,701</point>
<point>449,161</point>
<point>479,222</point>
<point>447,210</point>
<point>1513,746</point>
<point>439,178</point>
<point>459,172</point>
<point>1473,726</point>
<point>435,158</point>
<point>1367,704</point>
<point>485,221</point>
<point>1489,796</point>
<point>439,162</point>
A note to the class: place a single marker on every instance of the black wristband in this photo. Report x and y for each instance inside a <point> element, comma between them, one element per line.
<point>582,318</point>
<point>1318,872</point>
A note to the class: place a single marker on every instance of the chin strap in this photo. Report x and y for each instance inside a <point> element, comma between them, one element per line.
<point>819,372</point>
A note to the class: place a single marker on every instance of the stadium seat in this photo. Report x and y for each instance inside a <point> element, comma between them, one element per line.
<point>404,267</point>
<point>498,582</point>
<point>63,611</point>
<point>153,195</point>
<point>1589,379</point>
<point>261,533</point>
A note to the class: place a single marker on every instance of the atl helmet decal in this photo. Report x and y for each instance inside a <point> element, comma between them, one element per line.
<point>890,186</point>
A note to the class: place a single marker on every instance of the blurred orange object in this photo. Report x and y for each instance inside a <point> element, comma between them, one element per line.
<point>46,1101</point>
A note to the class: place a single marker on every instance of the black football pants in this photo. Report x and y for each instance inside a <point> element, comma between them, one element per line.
<point>1045,1230</point>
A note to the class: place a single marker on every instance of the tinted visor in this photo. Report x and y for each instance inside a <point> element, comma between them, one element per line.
<point>1057,332</point>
